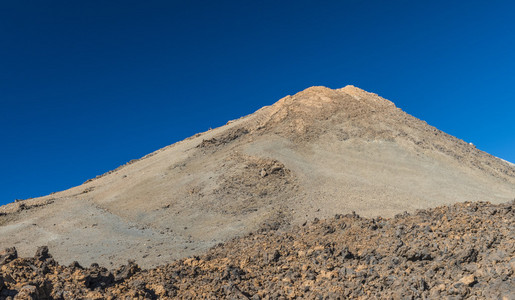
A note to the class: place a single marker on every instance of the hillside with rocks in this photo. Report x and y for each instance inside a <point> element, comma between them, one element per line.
<point>311,155</point>
<point>460,251</point>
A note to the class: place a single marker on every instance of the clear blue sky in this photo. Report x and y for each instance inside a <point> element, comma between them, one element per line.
<point>86,86</point>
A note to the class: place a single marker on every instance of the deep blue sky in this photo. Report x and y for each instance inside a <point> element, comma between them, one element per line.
<point>86,86</point>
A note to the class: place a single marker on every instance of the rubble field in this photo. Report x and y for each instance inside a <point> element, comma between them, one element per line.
<point>466,250</point>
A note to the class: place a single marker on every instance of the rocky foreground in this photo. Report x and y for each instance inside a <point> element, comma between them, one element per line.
<point>462,251</point>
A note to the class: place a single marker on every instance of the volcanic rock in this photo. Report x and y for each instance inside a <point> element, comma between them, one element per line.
<point>360,259</point>
<point>8,255</point>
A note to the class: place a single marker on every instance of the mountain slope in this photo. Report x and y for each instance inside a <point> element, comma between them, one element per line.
<point>314,154</point>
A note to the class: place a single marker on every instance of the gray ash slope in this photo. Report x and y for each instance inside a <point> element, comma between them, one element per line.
<point>313,154</point>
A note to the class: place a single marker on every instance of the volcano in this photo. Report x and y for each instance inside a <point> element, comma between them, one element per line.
<point>315,154</point>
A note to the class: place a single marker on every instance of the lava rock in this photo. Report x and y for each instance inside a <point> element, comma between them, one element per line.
<point>8,255</point>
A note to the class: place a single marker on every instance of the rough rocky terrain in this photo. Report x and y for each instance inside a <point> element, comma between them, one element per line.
<point>460,251</point>
<point>313,154</point>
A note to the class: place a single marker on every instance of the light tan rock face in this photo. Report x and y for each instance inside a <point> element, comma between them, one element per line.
<point>314,154</point>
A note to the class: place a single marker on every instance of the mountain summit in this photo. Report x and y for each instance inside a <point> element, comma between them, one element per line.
<point>313,154</point>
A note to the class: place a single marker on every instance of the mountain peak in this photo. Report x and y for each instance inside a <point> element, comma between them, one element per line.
<point>356,91</point>
<point>348,97</point>
<point>299,113</point>
<point>323,89</point>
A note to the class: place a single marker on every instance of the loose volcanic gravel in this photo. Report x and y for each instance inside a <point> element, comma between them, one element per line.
<point>461,251</point>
